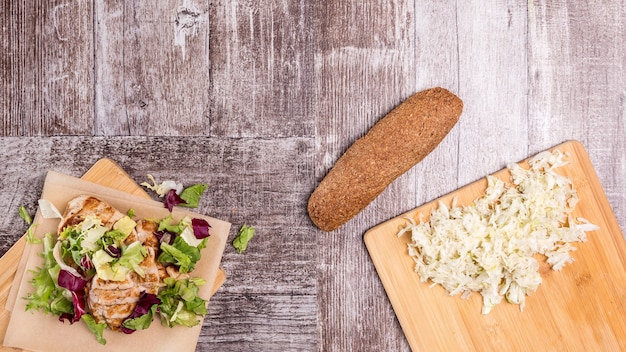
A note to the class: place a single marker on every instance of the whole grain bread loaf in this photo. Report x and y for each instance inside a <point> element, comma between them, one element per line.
<point>392,146</point>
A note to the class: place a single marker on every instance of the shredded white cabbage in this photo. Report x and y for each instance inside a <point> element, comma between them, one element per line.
<point>488,246</point>
<point>164,187</point>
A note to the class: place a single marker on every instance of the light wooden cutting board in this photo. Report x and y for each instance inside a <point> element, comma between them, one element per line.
<point>105,172</point>
<point>581,307</point>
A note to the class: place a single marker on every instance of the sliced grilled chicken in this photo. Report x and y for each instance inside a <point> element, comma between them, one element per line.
<point>82,206</point>
<point>111,301</point>
<point>144,233</point>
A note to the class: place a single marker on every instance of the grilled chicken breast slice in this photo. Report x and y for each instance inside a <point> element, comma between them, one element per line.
<point>113,301</point>
<point>83,206</point>
<point>144,233</point>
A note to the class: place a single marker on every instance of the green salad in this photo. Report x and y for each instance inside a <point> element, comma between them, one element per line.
<point>147,262</point>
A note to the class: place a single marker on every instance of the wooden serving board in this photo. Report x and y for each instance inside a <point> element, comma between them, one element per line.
<point>105,172</point>
<point>581,307</point>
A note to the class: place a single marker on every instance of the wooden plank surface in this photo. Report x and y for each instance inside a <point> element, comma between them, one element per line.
<point>261,67</point>
<point>577,71</point>
<point>46,61</point>
<point>369,51</point>
<point>145,56</point>
<point>554,318</point>
<point>267,96</point>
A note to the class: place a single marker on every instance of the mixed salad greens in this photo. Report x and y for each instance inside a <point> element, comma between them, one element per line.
<point>92,249</point>
<point>75,255</point>
<point>174,193</point>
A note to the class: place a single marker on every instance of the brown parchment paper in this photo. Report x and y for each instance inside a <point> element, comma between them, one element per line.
<point>37,331</point>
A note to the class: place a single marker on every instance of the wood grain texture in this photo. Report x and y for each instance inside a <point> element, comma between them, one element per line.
<point>437,57</point>
<point>261,68</point>
<point>360,47</point>
<point>267,97</point>
<point>46,60</point>
<point>493,76</point>
<point>152,68</point>
<point>577,73</point>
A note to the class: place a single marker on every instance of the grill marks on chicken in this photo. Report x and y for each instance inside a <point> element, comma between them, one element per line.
<point>144,233</point>
<point>111,301</point>
<point>82,206</point>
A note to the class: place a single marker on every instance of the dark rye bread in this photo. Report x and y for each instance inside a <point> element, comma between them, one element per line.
<point>392,146</point>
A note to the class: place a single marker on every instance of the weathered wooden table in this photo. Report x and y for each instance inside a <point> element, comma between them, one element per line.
<point>260,98</point>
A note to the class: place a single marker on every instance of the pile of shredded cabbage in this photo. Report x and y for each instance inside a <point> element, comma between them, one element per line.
<point>488,246</point>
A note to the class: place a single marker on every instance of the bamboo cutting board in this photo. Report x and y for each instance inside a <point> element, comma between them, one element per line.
<point>581,307</point>
<point>105,172</point>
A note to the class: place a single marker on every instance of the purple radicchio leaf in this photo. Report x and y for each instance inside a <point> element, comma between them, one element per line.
<point>86,263</point>
<point>79,308</point>
<point>69,281</point>
<point>165,236</point>
<point>75,285</point>
<point>113,251</point>
<point>200,228</point>
<point>172,199</point>
<point>146,300</point>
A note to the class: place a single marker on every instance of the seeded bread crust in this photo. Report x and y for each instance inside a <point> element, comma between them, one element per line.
<point>392,146</point>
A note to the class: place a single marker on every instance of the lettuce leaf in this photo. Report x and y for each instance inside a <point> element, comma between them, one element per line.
<point>181,254</point>
<point>191,195</point>
<point>25,215</point>
<point>180,303</point>
<point>143,314</point>
<point>95,328</point>
<point>245,235</point>
<point>30,235</point>
<point>132,256</point>
<point>48,296</point>
<point>139,323</point>
<point>116,269</point>
<point>166,225</point>
<point>164,187</point>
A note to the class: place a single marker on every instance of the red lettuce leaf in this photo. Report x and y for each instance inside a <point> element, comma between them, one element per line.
<point>113,251</point>
<point>165,236</point>
<point>75,285</point>
<point>69,281</point>
<point>79,308</point>
<point>172,199</point>
<point>86,263</point>
<point>146,301</point>
<point>200,228</point>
